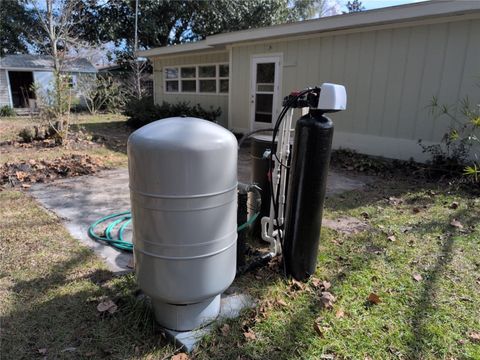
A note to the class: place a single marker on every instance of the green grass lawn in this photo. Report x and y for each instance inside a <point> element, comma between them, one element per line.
<point>424,270</point>
<point>427,278</point>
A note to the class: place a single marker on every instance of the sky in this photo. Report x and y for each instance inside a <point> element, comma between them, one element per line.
<point>375,4</point>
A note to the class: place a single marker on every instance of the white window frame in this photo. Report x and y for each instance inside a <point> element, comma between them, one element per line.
<point>179,79</point>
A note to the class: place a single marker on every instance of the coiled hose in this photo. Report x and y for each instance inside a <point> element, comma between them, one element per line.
<point>123,219</point>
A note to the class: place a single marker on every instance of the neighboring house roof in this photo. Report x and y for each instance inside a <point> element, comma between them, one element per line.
<point>44,62</point>
<point>390,15</point>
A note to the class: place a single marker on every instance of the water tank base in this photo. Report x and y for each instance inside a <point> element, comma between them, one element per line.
<point>186,317</point>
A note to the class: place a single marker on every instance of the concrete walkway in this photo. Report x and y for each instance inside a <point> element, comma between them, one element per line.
<point>80,201</point>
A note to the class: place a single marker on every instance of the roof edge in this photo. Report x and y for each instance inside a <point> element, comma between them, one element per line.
<point>393,15</point>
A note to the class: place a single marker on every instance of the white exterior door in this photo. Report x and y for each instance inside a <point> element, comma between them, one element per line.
<point>264,91</point>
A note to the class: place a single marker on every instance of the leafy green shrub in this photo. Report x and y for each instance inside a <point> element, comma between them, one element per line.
<point>458,151</point>
<point>144,111</point>
<point>6,111</point>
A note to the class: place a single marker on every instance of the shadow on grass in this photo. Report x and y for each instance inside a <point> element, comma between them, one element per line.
<point>294,334</point>
<point>425,307</point>
<point>60,315</point>
<point>112,134</point>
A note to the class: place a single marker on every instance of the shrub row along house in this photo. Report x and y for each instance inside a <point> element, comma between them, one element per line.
<point>392,62</point>
<point>26,78</point>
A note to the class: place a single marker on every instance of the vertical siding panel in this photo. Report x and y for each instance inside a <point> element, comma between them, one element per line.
<point>471,74</point>
<point>338,56</point>
<point>412,83</point>
<point>394,90</point>
<point>430,84</point>
<point>312,66</point>
<point>325,59</point>
<point>452,72</point>
<point>362,91</point>
<point>378,86</point>
<point>348,117</point>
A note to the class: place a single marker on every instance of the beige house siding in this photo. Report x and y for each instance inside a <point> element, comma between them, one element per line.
<point>205,100</point>
<point>4,94</point>
<point>391,72</point>
<point>391,76</point>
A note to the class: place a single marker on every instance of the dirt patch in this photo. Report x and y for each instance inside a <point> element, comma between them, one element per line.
<point>346,224</point>
<point>24,173</point>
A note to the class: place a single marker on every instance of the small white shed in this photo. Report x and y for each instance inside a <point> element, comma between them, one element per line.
<point>391,60</point>
<point>18,74</point>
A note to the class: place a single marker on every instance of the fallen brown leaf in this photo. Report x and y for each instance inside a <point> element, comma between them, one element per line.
<point>249,335</point>
<point>474,336</point>
<point>416,210</point>
<point>374,298</point>
<point>107,305</point>
<point>417,277</point>
<point>391,238</point>
<point>318,329</point>
<point>315,282</point>
<point>456,223</point>
<point>297,285</point>
<point>180,356</point>
<point>327,299</point>
<point>225,329</point>
<point>339,314</point>
<point>454,205</point>
<point>326,285</point>
<point>281,302</point>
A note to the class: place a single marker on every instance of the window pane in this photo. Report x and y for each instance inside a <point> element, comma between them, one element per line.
<point>264,103</point>
<point>171,86</point>
<point>189,72</point>
<point>266,73</point>
<point>189,85</point>
<point>265,87</point>
<point>207,71</point>
<point>223,70</point>
<point>208,85</point>
<point>224,86</point>
<point>171,73</point>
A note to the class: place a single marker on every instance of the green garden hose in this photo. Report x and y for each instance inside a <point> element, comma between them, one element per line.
<point>123,219</point>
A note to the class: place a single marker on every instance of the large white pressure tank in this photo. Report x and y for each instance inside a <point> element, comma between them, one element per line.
<point>183,190</point>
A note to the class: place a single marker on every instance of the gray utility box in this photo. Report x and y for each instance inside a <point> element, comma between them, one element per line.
<point>183,190</point>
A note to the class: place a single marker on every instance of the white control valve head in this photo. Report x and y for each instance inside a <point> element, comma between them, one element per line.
<point>333,97</point>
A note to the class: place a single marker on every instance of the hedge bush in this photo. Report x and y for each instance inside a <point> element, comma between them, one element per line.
<point>144,111</point>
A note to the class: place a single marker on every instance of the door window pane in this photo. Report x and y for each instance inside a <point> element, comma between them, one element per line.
<point>188,72</point>
<point>207,71</point>
<point>224,85</point>
<point>265,87</point>
<point>223,69</point>
<point>266,73</point>
<point>208,85</point>
<point>264,103</point>
<point>171,86</point>
<point>171,73</point>
<point>189,85</point>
